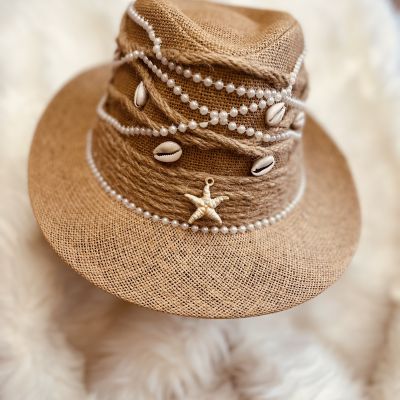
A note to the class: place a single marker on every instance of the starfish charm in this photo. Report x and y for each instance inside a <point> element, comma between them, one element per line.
<point>206,205</point>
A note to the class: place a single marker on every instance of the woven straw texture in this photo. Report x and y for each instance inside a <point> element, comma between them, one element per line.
<point>167,269</point>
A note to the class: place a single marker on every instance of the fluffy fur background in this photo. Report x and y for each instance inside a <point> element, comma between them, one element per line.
<point>61,338</point>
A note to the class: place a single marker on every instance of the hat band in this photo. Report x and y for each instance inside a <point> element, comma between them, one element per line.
<point>132,130</point>
<point>245,227</point>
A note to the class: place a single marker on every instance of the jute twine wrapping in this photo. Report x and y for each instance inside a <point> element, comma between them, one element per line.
<point>189,38</point>
<point>165,268</point>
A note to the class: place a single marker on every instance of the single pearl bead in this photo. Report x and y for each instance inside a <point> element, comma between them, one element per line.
<point>240,91</point>
<point>195,228</point>
<point>270,101</point>
<point>155,218</point>
<point>197,78</point>
<point>187,73</point>
<point>194,105</point>
<point>233,230</point>
<point>178,69</point>
<point>214,230</point>
<point>184,226</point>
<point>223,115</point>
<point>171,65</point>
<point>177,90</point>
<point>251,93</point>
<point>170,83</point>
<point>214,121</point>
<point>192,124</point>
<point>258,225</point>
<point>204,229</point>
<point>242,229</point>
<point>182,127</point>
<point>250,227</point>
<point>164,78</point>
<point>250,131</point>
<point>203,110</point>
<point>165,221</point>
<point>164,60</point>
<point>230,88</point>
<point>184,98</point>
<point>266,137</point>
<point>232,126</point>
<point>224,230</point>
<point>219,85</point>
<point>175,223</point>
<point>234,112</point>
<point>146,214</point>
<point>260,93</point>
<point>241,129</point>
<point>243,110</point>
<point>214,114</point>
<point>208,81</point>
<point>262,104</point>
<point>253,107</point>
<point>163,131</point>
<point>172,129</point>
<point>258,135</point>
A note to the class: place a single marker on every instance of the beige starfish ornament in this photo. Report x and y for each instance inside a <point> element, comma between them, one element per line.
<point>206,205</point>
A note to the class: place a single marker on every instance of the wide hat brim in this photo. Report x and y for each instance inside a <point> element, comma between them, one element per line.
<point>181,272</point>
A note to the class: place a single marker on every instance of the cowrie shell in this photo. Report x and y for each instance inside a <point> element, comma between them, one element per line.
<point>299,121</point>
<point>275,114</point>
<point>263,166</point>
<point>168,152</point>
<point>141,95</point>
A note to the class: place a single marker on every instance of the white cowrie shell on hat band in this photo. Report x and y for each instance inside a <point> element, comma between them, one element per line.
<point>141,95</point>
<point>275,114</point>
<point>263,165</point>
<point>299,121</point>
<point>168,152</point>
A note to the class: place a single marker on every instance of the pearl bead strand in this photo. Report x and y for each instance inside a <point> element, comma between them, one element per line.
<point>271,96</point>
<point>250,227</point>
<point>183,127</point>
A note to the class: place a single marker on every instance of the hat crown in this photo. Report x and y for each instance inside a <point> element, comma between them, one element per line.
<point>219,81</point>
<point>264,39</point>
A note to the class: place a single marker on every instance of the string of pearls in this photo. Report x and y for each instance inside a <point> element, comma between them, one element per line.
<point>216,117</point>
<point>271,96</point>
<point>130,130</point>
<point>183,225</point>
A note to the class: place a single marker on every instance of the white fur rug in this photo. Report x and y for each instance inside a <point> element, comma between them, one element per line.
<point>61,338</point>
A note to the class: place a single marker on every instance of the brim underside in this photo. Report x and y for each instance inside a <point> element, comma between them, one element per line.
<point>176,271</point>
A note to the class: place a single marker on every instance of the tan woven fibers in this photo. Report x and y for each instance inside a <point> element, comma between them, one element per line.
<point>167,268</point>
<point>181,272</point>
<point>129,167</point>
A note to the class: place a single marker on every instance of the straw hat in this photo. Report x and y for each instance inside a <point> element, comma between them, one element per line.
<point>185,178</point>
